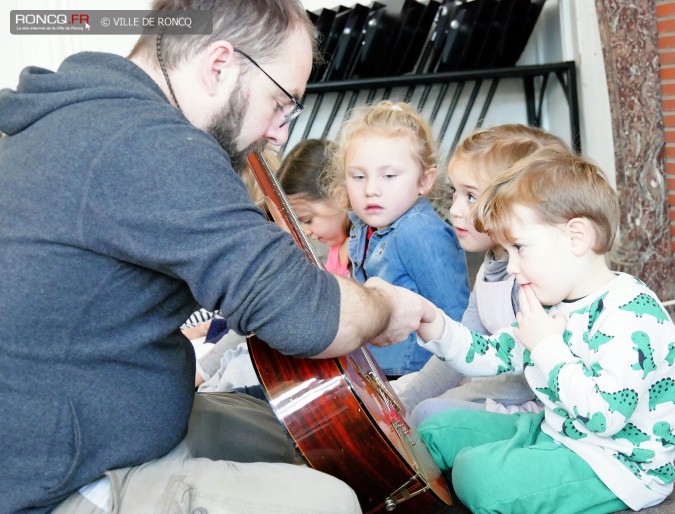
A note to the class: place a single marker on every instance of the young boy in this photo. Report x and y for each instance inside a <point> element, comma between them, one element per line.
<point>493,303</point>
<point>601,359</point>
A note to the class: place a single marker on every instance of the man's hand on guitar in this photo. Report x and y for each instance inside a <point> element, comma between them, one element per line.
<point>408,311</point>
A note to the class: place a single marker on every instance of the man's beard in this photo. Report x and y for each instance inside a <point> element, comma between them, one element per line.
<point>226,129</point>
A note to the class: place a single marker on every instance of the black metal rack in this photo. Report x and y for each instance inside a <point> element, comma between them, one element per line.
<point>452,101</point>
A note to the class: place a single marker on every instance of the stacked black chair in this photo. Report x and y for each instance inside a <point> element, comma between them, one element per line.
<point>398,37</point>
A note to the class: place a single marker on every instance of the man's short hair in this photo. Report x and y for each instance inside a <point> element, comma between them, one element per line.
<point>257,27</point>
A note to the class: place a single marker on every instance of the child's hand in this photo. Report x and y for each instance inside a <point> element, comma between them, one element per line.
<point>432,329</point>
<point>534,323</point>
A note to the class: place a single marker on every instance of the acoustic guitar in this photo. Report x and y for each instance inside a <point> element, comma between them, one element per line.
<point>342,414</point>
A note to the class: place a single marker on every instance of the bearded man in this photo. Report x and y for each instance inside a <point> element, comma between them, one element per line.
<point>120,213</point>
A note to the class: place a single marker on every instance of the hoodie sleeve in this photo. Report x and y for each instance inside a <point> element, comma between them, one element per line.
<point>171,202</point>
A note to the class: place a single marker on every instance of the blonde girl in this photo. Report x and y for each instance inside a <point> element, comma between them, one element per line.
<point>384,173</point>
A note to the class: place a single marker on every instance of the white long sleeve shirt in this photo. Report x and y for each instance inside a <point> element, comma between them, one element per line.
<point>607,384</point>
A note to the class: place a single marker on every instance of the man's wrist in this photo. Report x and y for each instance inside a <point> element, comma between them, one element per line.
<point>382,300</point>
<point>385,305</point>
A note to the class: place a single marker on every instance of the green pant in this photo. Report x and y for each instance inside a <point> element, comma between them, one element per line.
<point>504,463</point>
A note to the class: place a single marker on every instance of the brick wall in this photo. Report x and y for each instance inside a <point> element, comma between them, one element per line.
<point>665,15</point>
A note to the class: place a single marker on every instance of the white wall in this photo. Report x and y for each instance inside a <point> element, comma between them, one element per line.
<point>47,51</point>
<point>581,43</point>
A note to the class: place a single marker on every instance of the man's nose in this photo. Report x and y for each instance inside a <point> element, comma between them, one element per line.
<point>275,134</point>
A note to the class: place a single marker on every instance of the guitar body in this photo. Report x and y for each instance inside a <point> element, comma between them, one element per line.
<point>343,425</point>
<point>342,414</point>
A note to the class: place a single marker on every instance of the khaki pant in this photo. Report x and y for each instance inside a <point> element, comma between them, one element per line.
<point>180,484</point>
<point>200,475</point>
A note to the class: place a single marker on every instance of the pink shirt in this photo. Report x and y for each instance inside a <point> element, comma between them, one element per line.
<point>333,263</point>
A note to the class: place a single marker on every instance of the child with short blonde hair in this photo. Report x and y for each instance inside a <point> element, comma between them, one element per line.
<point>384,172</point>
<point>600,359</point>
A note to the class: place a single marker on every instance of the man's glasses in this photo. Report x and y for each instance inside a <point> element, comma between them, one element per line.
<point>297,107</point>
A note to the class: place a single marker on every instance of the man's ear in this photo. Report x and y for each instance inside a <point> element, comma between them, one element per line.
<point>218,60</point>
<point>582,235</point>
<point>427,180</point>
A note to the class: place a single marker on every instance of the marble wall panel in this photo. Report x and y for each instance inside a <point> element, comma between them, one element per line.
<point>630,50</point>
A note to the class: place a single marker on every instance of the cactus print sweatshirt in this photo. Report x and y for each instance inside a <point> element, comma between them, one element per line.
<point>607,383</point>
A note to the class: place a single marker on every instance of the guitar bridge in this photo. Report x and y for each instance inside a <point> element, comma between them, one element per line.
<point>418,483</point>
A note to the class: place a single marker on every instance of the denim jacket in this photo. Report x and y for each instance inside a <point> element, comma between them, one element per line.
<point>420,252</point>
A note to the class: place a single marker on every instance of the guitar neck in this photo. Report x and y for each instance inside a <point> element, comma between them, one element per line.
<point>279,205</point>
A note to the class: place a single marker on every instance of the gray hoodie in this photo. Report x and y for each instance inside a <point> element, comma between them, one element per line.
<point>117,218</point>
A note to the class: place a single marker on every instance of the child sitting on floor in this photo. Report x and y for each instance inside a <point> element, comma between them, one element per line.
<point>321,218</point>
<point>383,169</point>
<point>601,360</point>
<point>493,303</point>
